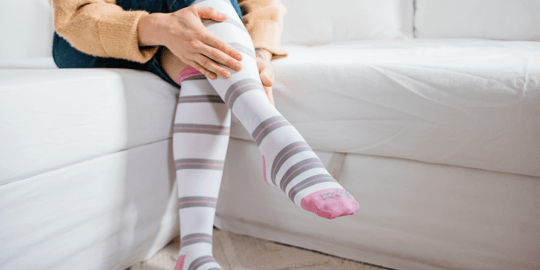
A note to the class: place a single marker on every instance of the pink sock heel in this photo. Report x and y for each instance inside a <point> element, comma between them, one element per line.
<point>187,72</point>
<point>180,263</point>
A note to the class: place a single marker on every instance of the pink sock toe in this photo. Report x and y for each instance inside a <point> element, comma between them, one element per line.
<point>180,263</point>
<point>330,203</point>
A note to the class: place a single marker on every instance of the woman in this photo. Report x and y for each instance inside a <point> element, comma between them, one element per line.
<point>204,48</point>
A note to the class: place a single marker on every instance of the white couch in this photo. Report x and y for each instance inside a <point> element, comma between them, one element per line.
<point>427,111</point>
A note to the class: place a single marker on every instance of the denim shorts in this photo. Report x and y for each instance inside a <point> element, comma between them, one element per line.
<point>66,56</point>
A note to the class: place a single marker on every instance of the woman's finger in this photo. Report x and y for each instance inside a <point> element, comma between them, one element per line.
<point>271,75</point>
<point>266,79</point>
<point>203,70</point>
<point>267,75</point>
<point>220,57</point>
<point>210,13</point>
<point>229,51</point>
<point>212,66</point>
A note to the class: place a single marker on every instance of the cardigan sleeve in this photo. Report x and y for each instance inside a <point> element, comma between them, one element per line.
<point>101,28</point>
<point>264,21</point>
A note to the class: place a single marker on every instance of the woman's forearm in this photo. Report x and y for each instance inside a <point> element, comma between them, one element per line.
<point>101,28</point>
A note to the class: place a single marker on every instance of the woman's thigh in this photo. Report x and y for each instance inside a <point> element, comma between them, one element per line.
<point>171,64</point>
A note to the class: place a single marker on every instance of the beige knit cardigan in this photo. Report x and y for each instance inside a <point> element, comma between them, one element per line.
<point>102,28</point>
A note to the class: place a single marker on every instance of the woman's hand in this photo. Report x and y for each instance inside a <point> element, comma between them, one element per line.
<point>266,72</point>
<point>184,34</point>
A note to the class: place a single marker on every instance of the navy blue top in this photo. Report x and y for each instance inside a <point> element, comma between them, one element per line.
<point>66,56</point>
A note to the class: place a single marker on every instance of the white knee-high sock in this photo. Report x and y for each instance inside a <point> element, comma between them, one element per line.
<point>288,161</point>
<point>200,140</point>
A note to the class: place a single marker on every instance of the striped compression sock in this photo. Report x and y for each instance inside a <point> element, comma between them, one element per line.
<point>289,162</point>
<point>200,140</point>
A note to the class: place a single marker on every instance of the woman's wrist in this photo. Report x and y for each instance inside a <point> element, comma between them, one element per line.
<point>150,30</point>
<point>263,54</point>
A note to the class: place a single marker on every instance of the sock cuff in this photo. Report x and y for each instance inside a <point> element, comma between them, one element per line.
<point>187,72</point>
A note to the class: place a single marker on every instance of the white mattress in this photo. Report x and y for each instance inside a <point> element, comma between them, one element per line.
<point>472,103</point>
<point>51,118</point>
<point>413,215</point>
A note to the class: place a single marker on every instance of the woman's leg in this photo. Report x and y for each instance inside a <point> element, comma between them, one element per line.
<point>200,140</point>
<point>171,64</point>
<point>289,163</point>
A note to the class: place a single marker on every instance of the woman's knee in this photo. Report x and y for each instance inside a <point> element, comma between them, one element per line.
<point>171,64</point>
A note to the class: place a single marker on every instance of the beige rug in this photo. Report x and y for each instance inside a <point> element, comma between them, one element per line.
<point>242,252</point>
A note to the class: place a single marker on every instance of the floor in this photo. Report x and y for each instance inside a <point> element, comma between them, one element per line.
<point>242,252</point>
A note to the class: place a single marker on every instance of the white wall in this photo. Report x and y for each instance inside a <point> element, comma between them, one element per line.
<point>323,21</point>
<point>488,19</point>
<point>26,29</point>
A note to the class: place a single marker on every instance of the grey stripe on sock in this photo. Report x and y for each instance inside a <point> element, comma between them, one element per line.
<point>198,128</point>
<point>201,98</point>
<point>267,126</point>
<point>194,78</point>
<point>237,24</point>
<point>195,238</point>
<point>228,20</point>
<point>199,163</point>
<point>201,261</point>
<point>197,201</point>
<point>297,169</point>
<point>310,181</point>
<point>240,87</point>
<point>287,152</point>
<point>241,48</point>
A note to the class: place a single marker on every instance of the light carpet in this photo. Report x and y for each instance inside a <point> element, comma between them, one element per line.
<point>242,252</point>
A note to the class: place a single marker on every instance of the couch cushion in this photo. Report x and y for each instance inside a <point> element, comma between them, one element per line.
<point>321,21</point>
<point>472,103</point>
<point>490,19</point>
<point>54,117</point>
<point>46,62</point>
